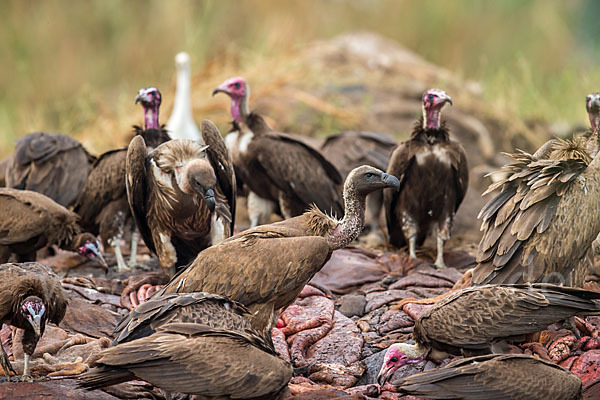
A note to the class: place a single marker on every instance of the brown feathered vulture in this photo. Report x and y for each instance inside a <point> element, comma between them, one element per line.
<point>102,204</point>
<point>350,149</point>
<point>53,164</point>
<point>30,295</point>
<point>30,221</point>
<point>434,177</point>
<point>3,167</point>
<point>540,226</point>
<point>280,171</point>
<point>182,195</point>
<point>196,343</point>
<point>481,319</point>
<point>495,377</point>
<point>266,267</point>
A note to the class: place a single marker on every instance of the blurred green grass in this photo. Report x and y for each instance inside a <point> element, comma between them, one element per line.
<point>64,63</point>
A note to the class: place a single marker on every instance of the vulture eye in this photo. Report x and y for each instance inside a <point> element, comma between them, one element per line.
<point>394,359</point>
<point>430,96</point>
<point>237,85</point>
<point>369,175</point>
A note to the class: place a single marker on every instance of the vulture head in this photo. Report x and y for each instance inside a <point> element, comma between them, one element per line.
<point>150,98</point>
<point>433,102</point>
<point>396,356</point>
<point>197,177</point>
<point>88,246</point>
<point>366,179</point>
<point>239,91</point>
<point>592,105</point>
<point>34,311</point>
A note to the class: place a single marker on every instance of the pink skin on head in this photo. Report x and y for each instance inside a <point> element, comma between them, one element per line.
<point>150,98</point>
<point>433,102</point>
<point>237,89</point>
<point>592,105</point>
<point>394,359</point>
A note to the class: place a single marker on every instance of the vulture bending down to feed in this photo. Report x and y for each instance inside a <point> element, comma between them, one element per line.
<point>278,169</point>
<point>103,205</point>
<point>434,177</point>
<point>351,149</point>
<point>482,319</point>
<point>196,343</point>
<point>30,221</point>
<point>266,267</point>
<point>53,164</point>
<point>30,295</point>
<point>181,123</point>
<point>542,223</point>
<point>495,377</point>
<point>182,195</point>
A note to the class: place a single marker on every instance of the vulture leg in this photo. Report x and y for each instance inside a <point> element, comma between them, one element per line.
<point>441,238</point>
<point>4,254</point>
<point>412,244</point>
<point>135,238</point>
<point>6,365</point>
<point>26,377</point>
<point>259,209</point>
<point>115,243</point>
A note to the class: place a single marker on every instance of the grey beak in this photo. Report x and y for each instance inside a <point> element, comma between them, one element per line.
<point>36,325</point>
<point>450,100</point>
<point>138,98</point>
<point>390,181</point>
<point>217,90</point>
<point>209,199</point>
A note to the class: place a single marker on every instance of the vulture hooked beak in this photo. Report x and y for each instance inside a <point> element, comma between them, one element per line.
<point>390,181</point>
<point>220,89</point>
<point>35,319</point>
<point>209,199</point>
<point>94,248</point>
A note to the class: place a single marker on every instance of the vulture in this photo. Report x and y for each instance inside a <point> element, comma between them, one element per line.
<point>182,195</point>
<point>495,377</point>
<point>31,221</point>
<point>53,164</point>
<point>266,267</point>
<point>351,149</point>
<point>434,178</point>
<point>481,319</point>
<point>181,124</point>
<point>195,343</point>
<point>102,204</point>
<point>542,223</point>
<point>279,170</point>
<point>30,295</point>
<point>3,167</point>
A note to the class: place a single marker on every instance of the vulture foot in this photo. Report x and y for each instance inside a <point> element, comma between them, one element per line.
<point>439,260</point>
<point>6,365</point>
<point>412,245</point>
<point>115,243</point>
<point>135,238</point>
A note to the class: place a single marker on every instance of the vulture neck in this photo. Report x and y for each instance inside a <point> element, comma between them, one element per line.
<point>151,117</point>
<point>239,107</point>
<point>348,229</point>
<point>431,117</point>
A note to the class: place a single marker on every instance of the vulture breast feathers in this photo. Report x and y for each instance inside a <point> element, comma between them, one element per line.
<point>182,195</point>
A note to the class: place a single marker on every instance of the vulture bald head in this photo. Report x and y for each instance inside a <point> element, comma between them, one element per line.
<point>150,98</point>
<point>88,246</point>
<point>592,105</point>
<point>237,88</point>
<point>33,310</point>
<point>396,356</point>
<point>433,102</point>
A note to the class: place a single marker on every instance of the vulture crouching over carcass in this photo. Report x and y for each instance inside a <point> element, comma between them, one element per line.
<point>434,178</point>
<point>495,377</point>
<point>30,295</point>
<point>541,225</point>
<point>279,170</point>
<point>481,319</point>
<point>102,204</point>
<point>30,221</point>
<point>196,343</point>
<point>181,123</point>
<point>266,267</point>
<point>182,195</point>
<point>53,164</point>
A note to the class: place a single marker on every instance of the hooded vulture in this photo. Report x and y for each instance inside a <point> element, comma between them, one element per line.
<point>495,377</point>
<point>102,205</point>
<point>266,267</point>
<point>542,223</point>
<point>196,343</point>
<point>30,295</point>
<point>53,164</point>
<point>30,221</point>
<point>434,178</point>
<point>181,123</point>
<point>481,319</point>
<point>182,195</point>
<point>351,149</point>
<point>279,170</point>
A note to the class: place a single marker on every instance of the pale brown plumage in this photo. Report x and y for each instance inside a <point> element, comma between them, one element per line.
<point>3,167</point>
<point>495,377</point>
<point>182,195</point>
<point>195,343</point>
<point>53,164</point>
<point>266,267</point>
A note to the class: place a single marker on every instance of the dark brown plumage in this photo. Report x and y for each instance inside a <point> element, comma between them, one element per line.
<point>542,223</point>
<point>279,170</point>
<point>196,343</point>
<point>30,295</point>
<point>53,164</point>
<point>182,195</point>
<point>30,221</point>
<point>434,178</point>
<point>266,267</point>
<point>3,167</point>
<point>495,377</point>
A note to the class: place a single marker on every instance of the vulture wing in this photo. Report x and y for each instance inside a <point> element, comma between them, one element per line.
<point>136,184</point>
<point>495,377</point>
<point>458,159</point>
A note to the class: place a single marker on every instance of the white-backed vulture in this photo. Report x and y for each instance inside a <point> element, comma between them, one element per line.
<point>181,124</point>
<point>434,177</point>
<point>280,171</point>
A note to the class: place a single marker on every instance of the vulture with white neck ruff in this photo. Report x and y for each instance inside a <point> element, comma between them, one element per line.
<point>181,124</point>
<point>102,204</point>
<point>266,267</point>
<point>434,178</point>
<point>278,169</point>
<point>182,195</point>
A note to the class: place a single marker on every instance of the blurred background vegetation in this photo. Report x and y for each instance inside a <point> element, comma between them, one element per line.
<point>65,63</point>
